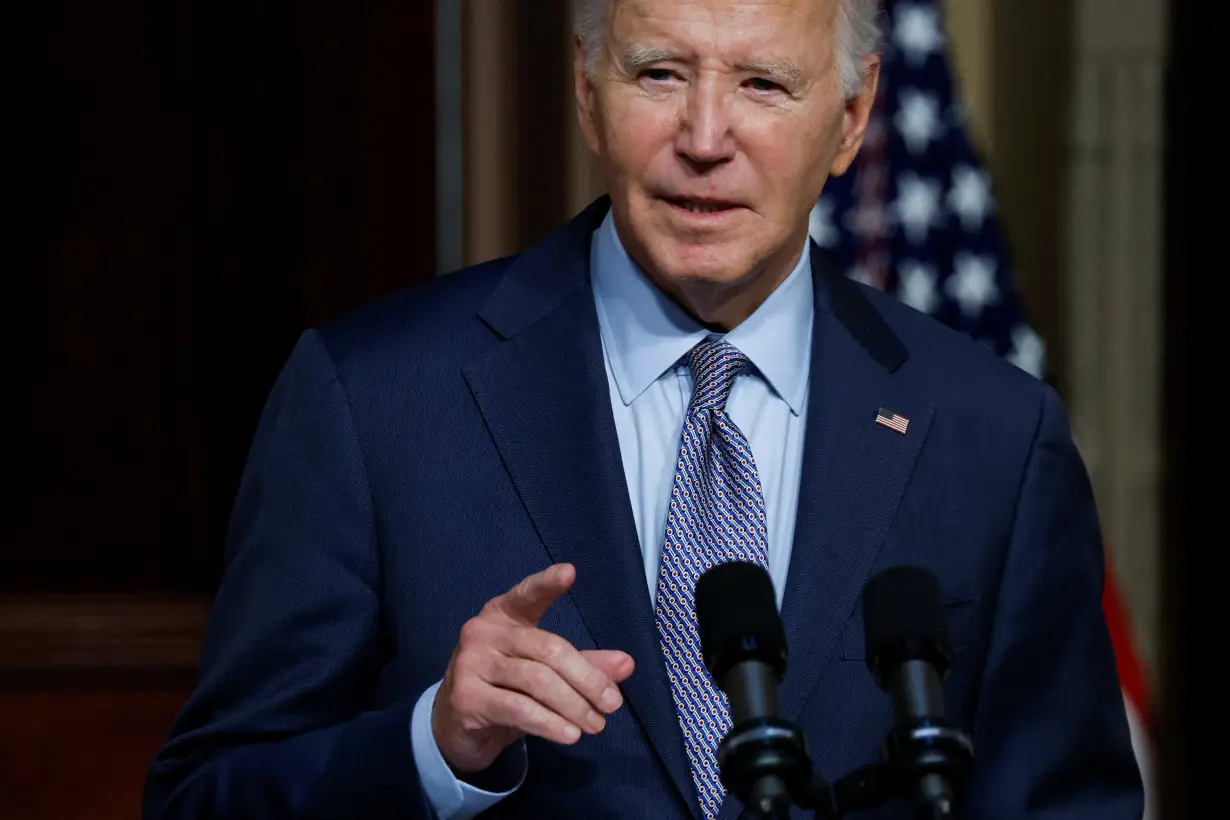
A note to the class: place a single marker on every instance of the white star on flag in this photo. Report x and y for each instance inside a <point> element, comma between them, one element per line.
<point>918,119</point>
<point>973,282</point>
<point>917,205</point>
<point>917,31</point>
<point>917,286</point>
<point>1028,351</point>
<point>970,196</point>
<point>859,273</point>
<point>820,226</point>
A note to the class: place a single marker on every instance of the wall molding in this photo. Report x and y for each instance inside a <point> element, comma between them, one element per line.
<point>100,633</point>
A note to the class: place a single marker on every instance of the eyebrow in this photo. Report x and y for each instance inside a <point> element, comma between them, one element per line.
<point>637,56</point>
<point>785,73</point>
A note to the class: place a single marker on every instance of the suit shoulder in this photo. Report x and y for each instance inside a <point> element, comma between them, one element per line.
<point>954,366</point>
<point>435,316</point>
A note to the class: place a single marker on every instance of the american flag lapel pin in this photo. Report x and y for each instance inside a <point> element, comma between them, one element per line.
<point>893,421</point>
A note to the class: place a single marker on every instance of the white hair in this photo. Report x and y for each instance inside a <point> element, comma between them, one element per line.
<point>858,34</point>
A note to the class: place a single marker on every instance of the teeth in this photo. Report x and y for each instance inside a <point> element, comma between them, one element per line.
<point>701,209</point>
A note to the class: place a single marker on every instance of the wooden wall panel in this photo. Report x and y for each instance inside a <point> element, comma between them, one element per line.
<point>80,748</point>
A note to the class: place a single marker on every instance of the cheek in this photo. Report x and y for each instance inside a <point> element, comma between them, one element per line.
<point>788,154</point>
<point>637,134</point>
<point>779,160</point>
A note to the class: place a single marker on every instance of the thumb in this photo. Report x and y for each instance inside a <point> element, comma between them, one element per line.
<point>616,665</point>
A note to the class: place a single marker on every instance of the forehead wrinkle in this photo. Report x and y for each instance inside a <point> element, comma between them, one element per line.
<point>738,36</point>
<point>731,32</point>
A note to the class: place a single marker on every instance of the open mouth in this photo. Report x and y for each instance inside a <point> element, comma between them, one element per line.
<point>702,206</point>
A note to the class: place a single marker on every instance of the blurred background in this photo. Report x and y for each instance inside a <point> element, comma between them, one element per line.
<point>195,183</point>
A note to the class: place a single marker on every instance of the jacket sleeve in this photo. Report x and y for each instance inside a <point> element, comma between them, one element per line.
<point>1051,734</point>
<point>283,722</point>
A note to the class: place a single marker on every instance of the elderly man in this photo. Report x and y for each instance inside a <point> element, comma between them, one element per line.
<point>462,558</point>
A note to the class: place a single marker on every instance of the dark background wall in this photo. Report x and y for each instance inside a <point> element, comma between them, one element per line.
<point>204,181</point>
<point>195,183</point>
<point>1191,738</point>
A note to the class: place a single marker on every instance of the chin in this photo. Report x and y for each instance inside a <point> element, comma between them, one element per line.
<point>693,275</point>
<point>690,264</point>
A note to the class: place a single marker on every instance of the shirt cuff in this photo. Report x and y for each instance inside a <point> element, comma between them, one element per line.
<point>450,797</point>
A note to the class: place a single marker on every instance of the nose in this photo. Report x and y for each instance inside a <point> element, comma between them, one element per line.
<point>705,137</point>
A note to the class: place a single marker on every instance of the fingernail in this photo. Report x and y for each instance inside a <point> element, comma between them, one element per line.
<point>596,721</point>
<point>571,733</point>
<point>610,700</point>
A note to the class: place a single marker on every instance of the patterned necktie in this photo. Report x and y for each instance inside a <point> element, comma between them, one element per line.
<point>716,514</point>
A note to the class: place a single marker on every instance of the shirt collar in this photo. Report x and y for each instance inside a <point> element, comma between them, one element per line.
<point>645,333</point>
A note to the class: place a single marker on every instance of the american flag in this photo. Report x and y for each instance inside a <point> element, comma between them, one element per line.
<point>892,420</point>
<point>915,216</point>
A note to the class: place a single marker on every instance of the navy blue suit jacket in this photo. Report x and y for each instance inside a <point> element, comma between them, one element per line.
<point>421,455</point>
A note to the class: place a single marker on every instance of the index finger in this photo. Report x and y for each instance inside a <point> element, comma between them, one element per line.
<point>533,595</point>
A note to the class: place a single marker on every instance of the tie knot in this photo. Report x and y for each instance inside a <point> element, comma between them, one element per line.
<point>714,365</point>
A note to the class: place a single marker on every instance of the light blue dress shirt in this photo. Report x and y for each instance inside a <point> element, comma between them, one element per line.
<point>645,336</point>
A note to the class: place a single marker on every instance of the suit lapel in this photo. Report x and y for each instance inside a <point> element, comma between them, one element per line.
<point>854,473</point>
<point>545,398</point>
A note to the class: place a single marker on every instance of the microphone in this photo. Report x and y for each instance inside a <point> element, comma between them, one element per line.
<point>908,652</point>
<point>744,649</point>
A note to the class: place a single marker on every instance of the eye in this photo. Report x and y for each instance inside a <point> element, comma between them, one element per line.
<point>658,75</point>
<point>762,85</point>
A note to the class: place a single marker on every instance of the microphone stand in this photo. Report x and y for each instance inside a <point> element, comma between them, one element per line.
<point>766,764</point>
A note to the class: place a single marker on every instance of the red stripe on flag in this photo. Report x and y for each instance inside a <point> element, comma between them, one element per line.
<point>1131,668</point>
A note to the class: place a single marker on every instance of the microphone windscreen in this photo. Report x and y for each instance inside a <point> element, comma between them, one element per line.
<point>903,619</point>
<point>736,615</point>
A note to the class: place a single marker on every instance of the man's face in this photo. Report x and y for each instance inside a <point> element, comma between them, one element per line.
<point>717,122</point>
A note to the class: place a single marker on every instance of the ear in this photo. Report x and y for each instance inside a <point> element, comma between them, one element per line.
<point>584,90</point>
<point>857,114</point>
